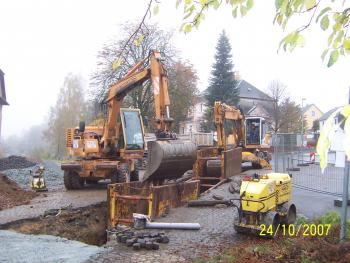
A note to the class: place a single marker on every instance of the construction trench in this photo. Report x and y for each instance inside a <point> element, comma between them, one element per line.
<point>57,219</point>
<point>88,223</point>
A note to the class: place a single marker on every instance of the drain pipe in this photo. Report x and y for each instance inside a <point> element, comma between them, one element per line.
<point>142,221</point>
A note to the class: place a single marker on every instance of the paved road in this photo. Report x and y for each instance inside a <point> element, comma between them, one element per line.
<point>19,248</point>
<point>313,204</point>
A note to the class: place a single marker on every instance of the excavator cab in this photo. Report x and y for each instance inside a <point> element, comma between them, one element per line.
<point>132,136</point>
<point>256,131</point>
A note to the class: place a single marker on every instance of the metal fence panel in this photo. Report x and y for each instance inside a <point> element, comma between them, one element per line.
<point>302,162</point>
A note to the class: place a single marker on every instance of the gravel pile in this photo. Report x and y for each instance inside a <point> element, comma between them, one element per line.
<point>14,162</point>
<point>53,175</point>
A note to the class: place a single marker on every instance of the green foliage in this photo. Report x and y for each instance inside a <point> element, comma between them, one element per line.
<point>328,15</point>
<point>333,218</point>
<point>261,248</point>
<point>291,120</point>
<point>155,9</point>
<point>222,85</point>
<point>333,57</point>
<point>316,125</point>
<point>227,258</point>
<point>301,220</point>
<point>292,40</point>
<point>306,259</point>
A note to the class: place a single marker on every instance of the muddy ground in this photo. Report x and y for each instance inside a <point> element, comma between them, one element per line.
<point>12,195</point>
<point>86,224</point>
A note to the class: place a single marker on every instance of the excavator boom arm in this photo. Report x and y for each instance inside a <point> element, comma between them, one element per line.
<point>137,75</point>
<point>224,112</point>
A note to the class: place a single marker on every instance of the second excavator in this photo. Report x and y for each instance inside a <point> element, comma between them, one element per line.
<point>111,150</point>
<point>235,130</point>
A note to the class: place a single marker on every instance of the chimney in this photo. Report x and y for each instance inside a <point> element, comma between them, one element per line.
<point>236,75</point>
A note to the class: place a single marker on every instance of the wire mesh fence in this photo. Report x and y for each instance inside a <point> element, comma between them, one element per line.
<point>292,154</point>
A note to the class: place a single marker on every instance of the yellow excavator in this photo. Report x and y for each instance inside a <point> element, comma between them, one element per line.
<point>111,150</point>
<point>234,145</point>
<point>234,130</point>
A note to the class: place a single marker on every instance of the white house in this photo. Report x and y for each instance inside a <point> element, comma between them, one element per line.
<point>253,102</point>
<point>194,117</point>
<point>337,143</point>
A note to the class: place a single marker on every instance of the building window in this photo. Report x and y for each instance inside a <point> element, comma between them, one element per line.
<point>313,114</point>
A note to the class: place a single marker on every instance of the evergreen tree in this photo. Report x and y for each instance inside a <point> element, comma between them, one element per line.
<point>222,84</point>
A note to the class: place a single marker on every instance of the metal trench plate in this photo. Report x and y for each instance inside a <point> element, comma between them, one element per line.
<point>173,195</point>
<point>162,198</point>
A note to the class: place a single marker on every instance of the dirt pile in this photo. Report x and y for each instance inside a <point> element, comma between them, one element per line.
<point>15,162</point>
<point>87,224</point>
<point>11,194</point>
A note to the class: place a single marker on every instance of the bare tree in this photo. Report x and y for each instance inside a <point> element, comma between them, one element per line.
<point>131,53</point>
<point>291,117</point>
<point>277,91</point>
<point>69,109</point>
<point>182,76</point>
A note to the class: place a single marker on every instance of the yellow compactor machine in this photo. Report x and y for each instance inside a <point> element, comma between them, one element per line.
<point>265,204</point>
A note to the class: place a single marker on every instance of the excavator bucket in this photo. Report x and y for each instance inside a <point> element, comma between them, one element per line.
<point>256,161</point>
<point>169,159</point>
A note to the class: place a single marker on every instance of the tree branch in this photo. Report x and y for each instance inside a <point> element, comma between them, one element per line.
<point>133,35</point>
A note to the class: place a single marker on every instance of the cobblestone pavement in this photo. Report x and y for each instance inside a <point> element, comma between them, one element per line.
<point>216,234</point>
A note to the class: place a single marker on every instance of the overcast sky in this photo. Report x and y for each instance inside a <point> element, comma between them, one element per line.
<point>41,41</point>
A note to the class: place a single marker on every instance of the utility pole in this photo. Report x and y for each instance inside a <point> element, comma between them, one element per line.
<point>302,130</point>
<point>345,196</point>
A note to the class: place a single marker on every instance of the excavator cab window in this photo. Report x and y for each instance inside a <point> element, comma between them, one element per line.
<point>253,131</point>
<point>133,130</point>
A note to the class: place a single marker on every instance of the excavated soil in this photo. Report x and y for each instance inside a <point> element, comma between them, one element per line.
<point>12,195</point>
<point>87,224</point>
